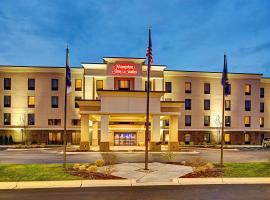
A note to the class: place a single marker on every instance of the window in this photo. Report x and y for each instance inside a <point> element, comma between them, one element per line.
<point>187,120</point>
<point>206,137</point>
<point>145,85</point>
<point>227,121</point>
<point>247,105</point>
<point>229,89</point>
<point>247,120</point>
<point>206,88</point>
<point>187,104</point>
<point>7,83</point>
<point>31,84</point>
<point>187,138</point>
<point>7,101</point>
<point>76,122</point>
<point>168,87</point>
<point>54,102</point>
<point>99,84</point>
<point>262,92</point>
<point>31,101</point>
<point>247,138</point>
<point>54,84</point>
<point>78,85</point>
<point>262,107</point>
<point>206,120</point>
<point>247,89</point>
<point>124,85</point>
<point>207,104</point>
<point>227,105</point>
<point>54,122</point>
<point>76,103</point>
<point>261,121</point>
<point>188,87</point>
<point>31,119</point>
<point>7,118</point>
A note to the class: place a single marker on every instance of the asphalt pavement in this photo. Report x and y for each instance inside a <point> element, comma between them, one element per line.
<point>194,192</point>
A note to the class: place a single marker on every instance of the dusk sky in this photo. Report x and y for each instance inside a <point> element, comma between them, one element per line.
<point>186,34</point>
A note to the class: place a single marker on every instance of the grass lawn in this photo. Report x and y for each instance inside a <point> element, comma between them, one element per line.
<point>34,172</point>
<point>255,169</point>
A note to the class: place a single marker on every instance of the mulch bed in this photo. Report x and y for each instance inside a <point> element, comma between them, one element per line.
<point>215,172</point>
<point>91,176</point>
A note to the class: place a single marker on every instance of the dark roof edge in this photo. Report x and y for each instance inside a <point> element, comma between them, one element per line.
<point>39,66</point>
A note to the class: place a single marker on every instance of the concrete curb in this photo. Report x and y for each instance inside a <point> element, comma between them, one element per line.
<point>130,182</point>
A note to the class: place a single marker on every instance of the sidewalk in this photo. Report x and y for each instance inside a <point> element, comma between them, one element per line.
<point>130,183</point>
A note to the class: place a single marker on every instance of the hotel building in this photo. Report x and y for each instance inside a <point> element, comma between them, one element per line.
<point>107,105</point>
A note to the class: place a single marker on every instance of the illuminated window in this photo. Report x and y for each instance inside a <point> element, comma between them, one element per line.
<point>7,83</point>
<point>78,85</point>
<point>124,84</point>
<point>7,118</point>
<point>99,84</point>
<point>31,119</point>
<point>206,120</point>
<point>227,105</point>
<point>187,87</point>
<point>247,138</point>
<point>187,104</point>
<point>7,101</point>
<point>261,121</point>
<point>247,120</point>
<point>168,87</point>
<point>54,122</point>
<point>76,103</point>
<point>31,84</point>
<point>227,121</point>
<point>145,85</point>
<point>247,89</point>
<point>262,92</point>
<point>54,101</point>
<point>187,120</point>
<point>247,105</point>
<point>31,101</point>
<point>54,84</point>
<point>206,88</point>
<point>207,104</point>
<point>227,138</point>
<point>262,107</point>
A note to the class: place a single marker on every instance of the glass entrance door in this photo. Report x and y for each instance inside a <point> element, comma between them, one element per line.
<point>124,139</point>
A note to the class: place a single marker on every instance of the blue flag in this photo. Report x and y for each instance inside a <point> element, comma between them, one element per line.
<point>224,80</point>
<point>68,73</point>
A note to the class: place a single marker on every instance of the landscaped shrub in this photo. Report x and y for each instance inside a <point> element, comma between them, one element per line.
<point>43,145</point>
<point>82,167</point>
<point>109,159</point>
<point>107,170</point>
<point>191,143</point>
<point>100,163</point>
<point>76,166</point>
<point>197,162</point>
<point>168,155</point>
<point>92,168</point>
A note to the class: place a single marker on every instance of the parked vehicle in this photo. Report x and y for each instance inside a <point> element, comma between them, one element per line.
<point>266,142</point>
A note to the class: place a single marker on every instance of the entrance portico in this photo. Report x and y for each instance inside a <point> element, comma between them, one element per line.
<point>118,118</point>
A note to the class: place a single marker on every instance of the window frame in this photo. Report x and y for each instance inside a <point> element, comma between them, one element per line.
<point>31,81</point>
<point>247,102</point>
<point>5,86</point>
<point>52,101</point>
<point>208,119</point>
<point>248,92</point>
<point>190,120</point>
<point>52,85</point>
<point>188,91</point>
<point>76,85</point>
<point>190,107</point>
<point>28,117</point>
<point>205,88</point>
<point>205,105</point>
<point>249,119</point>
<point>7,105</point>
<point>168,84</point>
<point>9,117</point>
<point>262,92</point>
<point>31,105</point>
<point>229,121</point>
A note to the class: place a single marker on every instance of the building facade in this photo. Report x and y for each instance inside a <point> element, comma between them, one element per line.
<point>108,102</point>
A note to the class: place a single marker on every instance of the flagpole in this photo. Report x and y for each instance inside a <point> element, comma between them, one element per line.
<point>147,109</point>
<point>65,114</point>
<point>222,128</point>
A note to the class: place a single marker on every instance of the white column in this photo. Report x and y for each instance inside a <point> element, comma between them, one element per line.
<point>155,128</point>
<point>173,133</point>
<point>95,134</point>
<point>85,139</point>
<point>104,128</point>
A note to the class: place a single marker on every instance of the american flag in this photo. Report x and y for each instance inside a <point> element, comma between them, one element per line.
<point>224,80</point>
<point>149,49</point>
<point>68,74</point>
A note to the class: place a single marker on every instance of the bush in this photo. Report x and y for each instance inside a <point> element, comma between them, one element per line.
<point>82,167</point>
<point>100,163</point>
<point>43,145</point>
<point>76,166</point>
<point>108,170</point>
<point>197,162</point>
<point>92,169</point>
<point>191,143</point>
<point>168,155</point>
<point>204,168</point>
<point>109,159</point>
<point>181,143</point>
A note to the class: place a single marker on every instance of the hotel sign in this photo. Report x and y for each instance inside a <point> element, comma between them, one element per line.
<point>124,69</point>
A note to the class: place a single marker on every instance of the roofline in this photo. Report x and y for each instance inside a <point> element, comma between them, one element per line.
<point>170,70</point>
<point>39,66</point>
<point>124,57</point>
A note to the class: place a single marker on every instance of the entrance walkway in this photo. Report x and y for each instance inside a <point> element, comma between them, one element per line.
<point>158,172</point>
